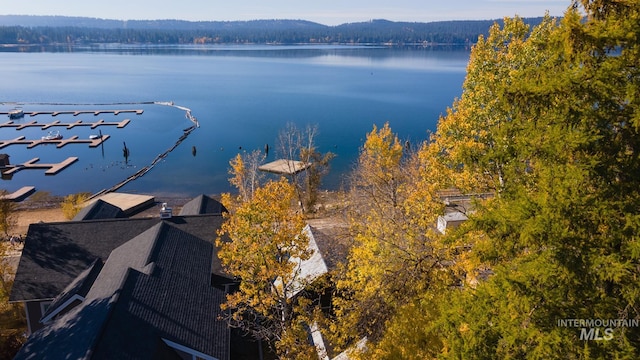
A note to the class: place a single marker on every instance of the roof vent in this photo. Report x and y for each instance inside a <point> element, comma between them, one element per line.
<point>166,212</point>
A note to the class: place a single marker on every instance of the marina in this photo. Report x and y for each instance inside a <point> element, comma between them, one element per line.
<point>232,92</point>
<point>21,140</point>
<point>51,169</point>
<point>18,122</point>
<point>12,113</point>
<point>44,126</point>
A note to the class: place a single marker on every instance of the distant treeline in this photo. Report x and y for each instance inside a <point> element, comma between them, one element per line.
<point>44,30</point>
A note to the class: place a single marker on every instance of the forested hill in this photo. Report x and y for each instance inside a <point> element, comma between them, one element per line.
<point>19,29</point>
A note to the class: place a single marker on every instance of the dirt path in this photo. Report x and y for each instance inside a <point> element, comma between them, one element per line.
<point>26,217</point>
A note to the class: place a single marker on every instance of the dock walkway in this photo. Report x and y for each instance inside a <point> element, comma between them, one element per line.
<point>19,194</point>
<point>52,169</point>
<point>44,126</point>
<point>78,112</point>
<point>59,143</point>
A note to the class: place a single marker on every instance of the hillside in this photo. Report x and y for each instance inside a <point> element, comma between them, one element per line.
<point>23,29</point>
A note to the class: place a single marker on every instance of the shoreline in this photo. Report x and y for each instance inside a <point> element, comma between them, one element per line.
<point>44,207</point>
<point>48,208</point>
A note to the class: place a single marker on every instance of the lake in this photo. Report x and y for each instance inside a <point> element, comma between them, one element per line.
<point>242,97</point>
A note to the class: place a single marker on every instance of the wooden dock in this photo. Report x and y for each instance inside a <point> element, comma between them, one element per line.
<point>59,143</point>
<point>44,126</point>
<point>284,167</point>
<point>52,169</point>
<point>19,194</point>
<point>78,112</point>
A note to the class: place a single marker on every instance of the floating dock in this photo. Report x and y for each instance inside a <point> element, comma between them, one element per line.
<point>77,112</point>
<point>284,167</point>
<point>44,126</point>
<point>20,194</point>
<point>52,169</point>
<point>59,143</point>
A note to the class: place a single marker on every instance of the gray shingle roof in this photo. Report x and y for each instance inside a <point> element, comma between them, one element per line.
<point>80,286</point>
<point>202,204</point>
<point>155,286</point>
<point>333,250</point>
<point>55,254</point>
<point>99,210</point>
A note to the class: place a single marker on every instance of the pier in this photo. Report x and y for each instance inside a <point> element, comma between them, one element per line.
<point>20,123</point>
<point>77,112</point>
<point>59,143</point>
<point>52,169</point>
<point>20,194</point>
<point>44,126</point>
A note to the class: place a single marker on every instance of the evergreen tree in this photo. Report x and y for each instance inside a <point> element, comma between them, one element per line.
<point>561,239</point>
<point>548,120</point>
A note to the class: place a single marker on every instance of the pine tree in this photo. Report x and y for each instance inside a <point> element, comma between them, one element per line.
<point>548,120</point>
<point>562,243</point>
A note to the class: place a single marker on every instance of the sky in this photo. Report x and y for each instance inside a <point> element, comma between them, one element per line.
<point>327,12</point>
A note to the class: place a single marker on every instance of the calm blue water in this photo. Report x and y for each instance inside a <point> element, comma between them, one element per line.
<point>242,96</point>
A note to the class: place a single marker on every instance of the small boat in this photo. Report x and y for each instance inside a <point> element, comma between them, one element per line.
<point>16,114</point>
<point>95,136</point>
<point>53,135</point>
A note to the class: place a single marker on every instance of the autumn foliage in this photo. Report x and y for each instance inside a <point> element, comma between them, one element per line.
<point>265,233</point>
<point>544,143</point>
<point>547,125</point>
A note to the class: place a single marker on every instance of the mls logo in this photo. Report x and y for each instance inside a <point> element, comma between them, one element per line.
<point>594,334</point>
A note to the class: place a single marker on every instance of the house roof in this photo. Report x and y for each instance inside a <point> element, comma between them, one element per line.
<point>80,286</point>
<point>55,254</point>
<point>334,251</point>
<point>159,285</point>
<point>202,204</point>
<point>129,203</point>
<point>325,254</point>
<point>455,216</point>
<point>99,209</point>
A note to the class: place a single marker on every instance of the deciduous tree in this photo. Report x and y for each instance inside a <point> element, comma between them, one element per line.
<point>246,176</point>
<point>549,120</point>
<point>72,204</point>
<point>8,216</point>
<point>299,145</point>
<point>265,234</point>
<point>395,254</point>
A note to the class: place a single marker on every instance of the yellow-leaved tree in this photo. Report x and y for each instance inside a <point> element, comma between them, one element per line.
<point>246,176</point>
<point>72,204</point>
<point>396,254</point>
<point>266,246</point>
<point>8,215</point>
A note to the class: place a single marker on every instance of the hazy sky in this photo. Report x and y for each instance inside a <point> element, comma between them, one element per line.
<point>328,12</point>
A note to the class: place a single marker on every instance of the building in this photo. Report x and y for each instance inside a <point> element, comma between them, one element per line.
<point>450,220</point>
<point>136,288</point>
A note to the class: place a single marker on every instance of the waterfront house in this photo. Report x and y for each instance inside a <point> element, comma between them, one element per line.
<point>143,288</point>
<point>450,220</point>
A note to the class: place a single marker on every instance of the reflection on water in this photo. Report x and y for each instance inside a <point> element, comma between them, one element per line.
<point>273,51</point>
